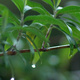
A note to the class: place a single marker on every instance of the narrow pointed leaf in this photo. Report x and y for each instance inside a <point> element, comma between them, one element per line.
<point>69,9</point>
<point>35,6</point>
<point>32,30</point>
<point>38,55</point>
<point>19,4</point>
<point>45,19</point>
<point>49,2</point>
<point>56,2</point>
<point>11,15</point>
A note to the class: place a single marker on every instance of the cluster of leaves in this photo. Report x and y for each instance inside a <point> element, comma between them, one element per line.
<point>14,32</point>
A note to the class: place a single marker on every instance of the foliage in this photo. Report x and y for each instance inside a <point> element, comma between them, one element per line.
<point>16,35</point>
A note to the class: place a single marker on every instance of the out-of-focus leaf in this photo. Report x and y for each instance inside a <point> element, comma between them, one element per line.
<point>26,8</point>
<point>35,6</point>
<point>5,20</point>
<point>69,9</point>
<point>38,43</point>
<point>31,47</point>
<point>49,2</point>
<point>56,2</point>
<point>19,4</point>
<point>11,15</point>
<point>32,30</point>
<point>38,55</point>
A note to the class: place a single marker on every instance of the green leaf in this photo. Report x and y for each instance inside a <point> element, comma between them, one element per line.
<point>11,16</point>
<point>45,19</point>
<point>74,23</point>
<point>49,2</point>
<point>35,6</point>
<point>38,55</point>
<point>72,44</point>
<point>56,2</point>
<point>19,4</point>
<point>31,48</point>
<point>5,20</point>
<point>71,41</point>
<point>26,8</point>
<point>39,10</point>
<point>69,9</point>
<point>76,32</point>
<point>32,30</point>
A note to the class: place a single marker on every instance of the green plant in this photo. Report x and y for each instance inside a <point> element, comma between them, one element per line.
<point>16,37</point>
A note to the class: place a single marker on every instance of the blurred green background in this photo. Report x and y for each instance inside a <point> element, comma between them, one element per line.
<point>55,64</point>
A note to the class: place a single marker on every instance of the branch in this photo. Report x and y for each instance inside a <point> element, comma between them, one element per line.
<point>43,50</point>
<point>47,35</point>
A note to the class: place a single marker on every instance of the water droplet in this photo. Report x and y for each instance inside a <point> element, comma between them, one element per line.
<point>12,78</point>
<point>33,66</point>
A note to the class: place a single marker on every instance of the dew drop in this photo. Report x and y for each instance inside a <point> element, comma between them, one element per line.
<point>12,78</point>
<point>33,66</point>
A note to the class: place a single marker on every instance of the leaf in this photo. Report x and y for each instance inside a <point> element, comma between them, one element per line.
<point>39,10</point>
<point>38,55</point>
<point>35,6</point>
<point>19,4</point>
<point>76,32</point>
<point>71,44</point>
<point>69,9</point>
<point>74,23</point>
<point>31,49</point>
<point>32,30</point>
<point>5,20</point>
<point>49,2</point>
<point>56,2</point>
<point>45,19</point>
<point>11,16</point>
<point>26,8</point>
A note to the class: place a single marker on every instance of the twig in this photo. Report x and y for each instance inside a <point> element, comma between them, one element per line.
<point>43,50</point>
<point>47,35</point>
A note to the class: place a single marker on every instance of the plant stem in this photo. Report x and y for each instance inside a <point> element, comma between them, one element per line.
<point>21,24</point>
<point>49,29</point>
<point>43,50</point>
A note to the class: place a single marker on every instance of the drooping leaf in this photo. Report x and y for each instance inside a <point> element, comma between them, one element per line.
<point>69,9</point>
<point>38,55</point>
<point>71,44</point>
<point>76,32</point>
